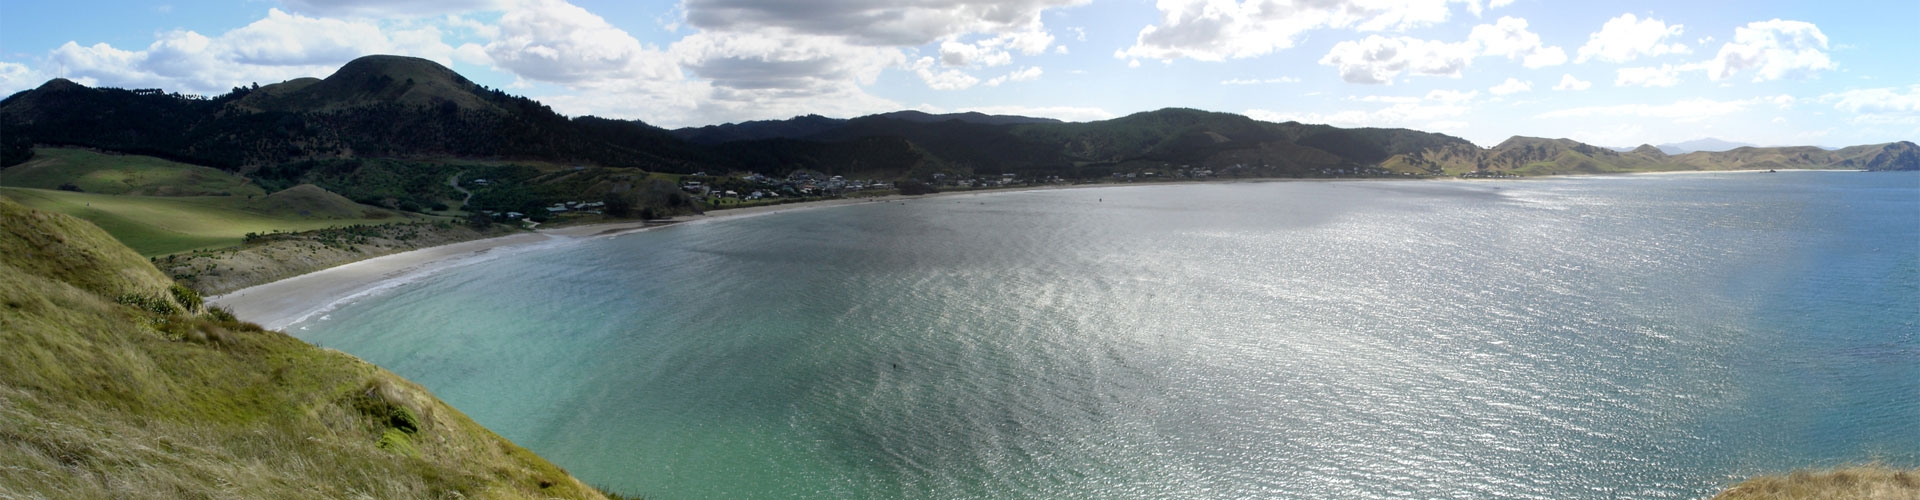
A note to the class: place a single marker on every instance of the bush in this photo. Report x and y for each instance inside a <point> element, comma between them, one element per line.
<point>150,304</point>
<point>70,187</point>
<point>186,296</point>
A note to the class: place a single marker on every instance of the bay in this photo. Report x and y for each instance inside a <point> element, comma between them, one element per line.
<point>1630,336</point>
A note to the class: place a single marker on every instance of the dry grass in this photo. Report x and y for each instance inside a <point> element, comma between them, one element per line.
<point>1869,482</point>
<point>102,397</point>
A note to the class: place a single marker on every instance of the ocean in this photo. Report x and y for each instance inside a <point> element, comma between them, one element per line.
<point>1646,336</point>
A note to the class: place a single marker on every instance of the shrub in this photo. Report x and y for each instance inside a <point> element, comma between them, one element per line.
<point>150,304</point>
<point>185,296</point>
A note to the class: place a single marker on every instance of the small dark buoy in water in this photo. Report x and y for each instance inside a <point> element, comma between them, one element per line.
<point>896,366</point>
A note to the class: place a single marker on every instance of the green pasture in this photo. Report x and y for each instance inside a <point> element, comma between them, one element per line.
<point>104,173</point>
<point>154,225</point>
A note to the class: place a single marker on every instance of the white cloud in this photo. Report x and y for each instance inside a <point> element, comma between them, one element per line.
<point>995,51</point>
<point>1509,37</point>
<point>1686,111</point>
<point>1511,86</point>
<point>1774,49</point>
<point>1495,4</point>
<point>1568,82</point>
<point>388,9</point>
<point>15,77</point>
<point>1665,75</point>
<point>1628,37</point>
<point>1885,106</point>
<point>1379,59</point>
<point>1026,74</point>
<point>558,42</point>
<point>1217,30</point>
<point>951,79</point>
<point>279,47</point>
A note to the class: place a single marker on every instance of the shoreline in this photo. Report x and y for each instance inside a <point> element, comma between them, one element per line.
<point>279,304</point>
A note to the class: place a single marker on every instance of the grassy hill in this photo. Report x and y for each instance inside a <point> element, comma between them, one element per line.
<point>1529,156</point>
<point>156,225</point>
<point>107,173</point>
<point>118,384</point>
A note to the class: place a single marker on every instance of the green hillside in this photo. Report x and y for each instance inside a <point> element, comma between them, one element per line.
<point>118,384</point>
<point>105,173</point>
<point>1531,156</point>
<point>156,225</point>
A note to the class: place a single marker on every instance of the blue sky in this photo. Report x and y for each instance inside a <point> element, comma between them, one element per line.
<point>1830,73</point>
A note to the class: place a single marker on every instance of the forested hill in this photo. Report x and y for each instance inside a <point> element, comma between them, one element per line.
<point>375,106</point>
<point>408,108</point>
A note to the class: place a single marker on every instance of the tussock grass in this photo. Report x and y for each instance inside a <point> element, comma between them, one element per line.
<point>101,398</point>
<point>1867,482</point>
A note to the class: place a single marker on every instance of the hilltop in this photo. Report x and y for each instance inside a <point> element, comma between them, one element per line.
<point>1525,156</point>
<point>120,384</point>
<point>414,110</point>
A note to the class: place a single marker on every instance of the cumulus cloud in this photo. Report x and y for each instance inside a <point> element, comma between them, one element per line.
<point>1509,37</point>
<point>1216,30</point>
<point>1773,49</point>
<point>555,41</point>
<point>1568,82</point>
<point>1628,37</point>
<point>1686,111</point>
<point>1665,75</point>
<point>15,77</point>
<point>387,9</point>
<point>279,47</point>
<point>1026,74</point>
<point>995,51</point>
<point>937,79</point>
<point>1511,86</point>
<point>1378,59</point>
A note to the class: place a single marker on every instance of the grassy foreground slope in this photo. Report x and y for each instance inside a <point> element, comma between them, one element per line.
<point>157,225</point>
<point>118,384</point>
<point>1861,483</point>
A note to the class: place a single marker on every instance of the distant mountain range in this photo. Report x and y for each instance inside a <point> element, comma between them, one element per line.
<point>1707,144</point>
<point>408,108</point>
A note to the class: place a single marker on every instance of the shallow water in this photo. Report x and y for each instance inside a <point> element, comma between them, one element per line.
<point>1638,336</point>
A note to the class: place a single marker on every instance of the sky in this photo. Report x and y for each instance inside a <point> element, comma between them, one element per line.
<point>1619,73</point>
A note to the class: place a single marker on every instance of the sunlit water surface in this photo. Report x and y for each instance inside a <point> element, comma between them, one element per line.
<point>1640,336</point>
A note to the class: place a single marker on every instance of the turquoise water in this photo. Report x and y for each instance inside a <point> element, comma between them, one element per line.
<point>1637,336</point>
